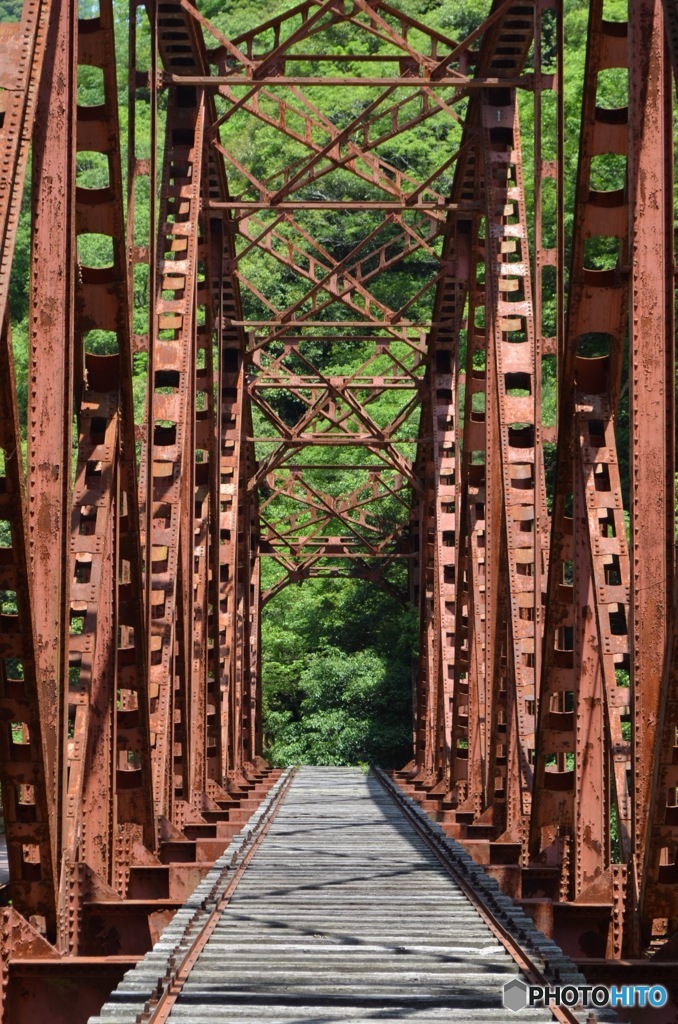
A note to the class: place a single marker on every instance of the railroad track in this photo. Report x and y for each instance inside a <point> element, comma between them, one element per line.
<point>338,902</point>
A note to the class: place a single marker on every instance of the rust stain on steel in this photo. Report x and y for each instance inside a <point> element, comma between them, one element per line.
<point>651,389</point>
<point>586,458</point>
<point>172,412</point>
<point>513,353</point>
<point>50,394</point>
<point>28,792</point>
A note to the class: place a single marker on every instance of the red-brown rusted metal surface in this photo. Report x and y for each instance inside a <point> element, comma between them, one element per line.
<point>137,556</point>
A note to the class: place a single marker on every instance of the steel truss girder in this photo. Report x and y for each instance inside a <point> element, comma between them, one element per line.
<point>514,360</point>
<point>582,646</point>
<point>170,427</point>
<point>470,692</point>
<point>32,844</point>
<point>652,397</point>
<point>149,714</point>
<point>108,765</point>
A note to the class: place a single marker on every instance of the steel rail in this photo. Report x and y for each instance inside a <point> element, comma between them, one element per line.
<point>502,933</point>
<point>175,981</point>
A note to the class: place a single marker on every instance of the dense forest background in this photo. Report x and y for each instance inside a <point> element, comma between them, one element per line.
<point>337,654</point>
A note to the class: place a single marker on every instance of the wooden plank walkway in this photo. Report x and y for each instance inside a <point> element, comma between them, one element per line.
<point>343,914</point>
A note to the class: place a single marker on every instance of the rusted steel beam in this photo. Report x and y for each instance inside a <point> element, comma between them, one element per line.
<point>91,688</point>
<point>232,493</point>
<point>355,157</point>
<point>426,85</point>
<point>587,516</point>
<point>247,41</point>
<point>172,412</point>
<point>472,715</point>
<point>655,719</point>
<point>191,58</point>
<point>28,783</point>
<point>549,265</point>
<point>241,568</point>
<point>201,499</point>
<point>651,389</point>
<point>671,25</point>
<point>232,391</point>
<point>27,790</point>
<point>51,372</point>
<point>21,62</point>
<point>438,556</point>
<point>443,372</point>
<point>658,895</point>
<point>303,204</point>
<point>344,284</point>
<point>515,361</point>
<point>472,523</point>
<point>466,188</point>
<point>251,641</point>
<point>107,758</point>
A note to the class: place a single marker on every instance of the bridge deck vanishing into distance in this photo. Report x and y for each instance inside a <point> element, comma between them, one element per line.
<point>344,912</point>
<point>263,348</point>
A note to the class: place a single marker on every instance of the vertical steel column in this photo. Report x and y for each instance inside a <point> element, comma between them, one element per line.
<point>658,897</point>
<point>107,754</point>
<point>246,615</point>
<point>444,372</point>
<point>205,470</point>
<point>439,513</point>
<point>579,715</point>
<point>426,703</point>
<point>671,23</point>
<point>29,795</point>
<point>51,377</point>
<point>27,790</point>
<point>651,384</point>
<point>515,359</point>
<point>133,813</point>
<point>653,469</point>
<point>549,258</point>
<point>469,721</point>
<point>230,427</point>
<point>232,482</point>
<point>91,689</point>
<point>251,707</point>
<point>172,410</point>
<point>217,705</point>
<point>588,485</point>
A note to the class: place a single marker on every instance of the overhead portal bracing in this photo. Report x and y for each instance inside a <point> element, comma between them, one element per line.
<point>299,307</point>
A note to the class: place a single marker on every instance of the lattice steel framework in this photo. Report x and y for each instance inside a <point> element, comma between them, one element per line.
<point>137,553</point>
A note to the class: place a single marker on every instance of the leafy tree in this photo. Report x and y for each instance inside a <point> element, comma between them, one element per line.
<point>337,675</point>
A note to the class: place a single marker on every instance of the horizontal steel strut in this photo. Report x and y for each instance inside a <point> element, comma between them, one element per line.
<point>345,357</point>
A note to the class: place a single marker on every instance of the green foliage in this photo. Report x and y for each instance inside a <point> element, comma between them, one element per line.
<point>337,675</point>
<point>10,10</point>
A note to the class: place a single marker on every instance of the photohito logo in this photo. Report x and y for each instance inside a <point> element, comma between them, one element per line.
<point>518,995</point>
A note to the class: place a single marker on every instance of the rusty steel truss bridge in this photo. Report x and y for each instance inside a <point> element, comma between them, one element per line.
<point>142,533</point>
